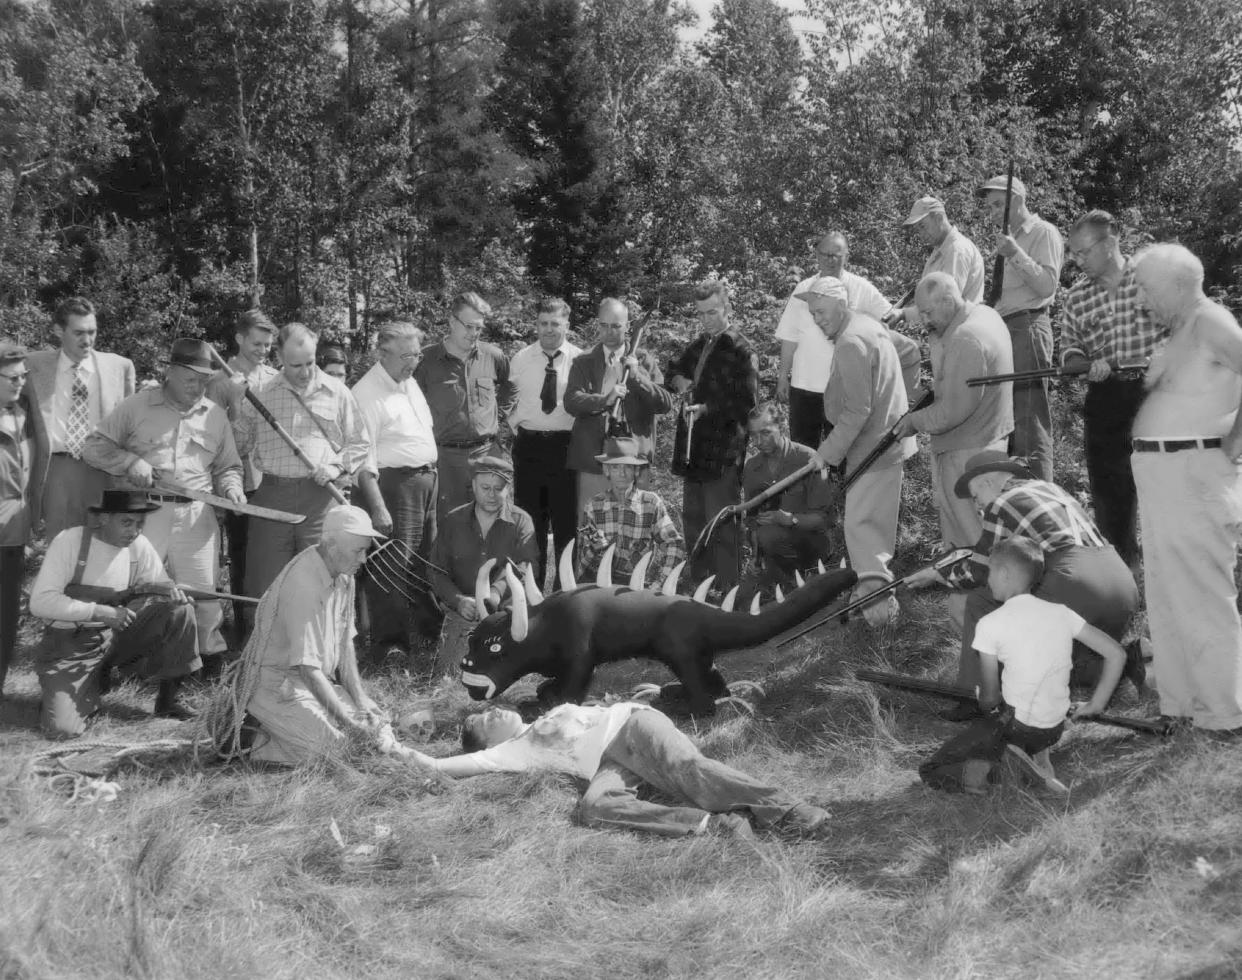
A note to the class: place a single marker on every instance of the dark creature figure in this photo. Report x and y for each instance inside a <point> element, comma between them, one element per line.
<point>566,635</point>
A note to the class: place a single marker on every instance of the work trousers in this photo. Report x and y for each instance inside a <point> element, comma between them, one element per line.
<point>410,495</point>
<point>983,739</point>
<point>546,488</point>
<point>1031,335</point>
<point>700,502</point>
<point>1190,508</point>
<point>650,752</point>
<point>807,424</point>
<point>185,537</point>
<point>786,549</point>
<point>12,564</point>
<point>1094,582</point>
<point>294,727</point>
<point>1108,416</point>
<point>961,525</point>
<point>236,529</point>
<point>158,645</point>
<point>453,488</point>
<point>871,508</point>
<point>272,545</point>
<point>591,484</point>
<point>72,485</point>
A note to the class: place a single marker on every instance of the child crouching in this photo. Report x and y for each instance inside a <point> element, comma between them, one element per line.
<point>1025,706</point>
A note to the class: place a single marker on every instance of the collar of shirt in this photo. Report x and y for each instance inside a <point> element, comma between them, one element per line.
<point>950,237</point>
<point>158,397</point>
<point>85,368</point>
<point>506,514</point>
<point>1026,226</point>
<point>318,380</point>
<point>381,377</point>
<point>445,354</point>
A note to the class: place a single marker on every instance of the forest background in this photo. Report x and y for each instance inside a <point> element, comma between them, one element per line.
<point>343,162</point>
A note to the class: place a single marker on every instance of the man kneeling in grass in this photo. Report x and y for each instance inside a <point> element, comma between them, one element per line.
<point>619,749</point>
<point>1025,707</point>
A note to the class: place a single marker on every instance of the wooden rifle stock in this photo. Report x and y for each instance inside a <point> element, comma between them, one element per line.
<point>617,425</point>
<point>998,264</point>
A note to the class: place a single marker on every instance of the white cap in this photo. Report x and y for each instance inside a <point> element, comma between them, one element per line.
<point>351,520</point>
<point>829,286</point>
<point>922,208</point>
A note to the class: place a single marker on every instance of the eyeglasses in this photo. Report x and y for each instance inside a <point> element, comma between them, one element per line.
<point>468,326</point>
<point>15,378</point>
<point>1078,253</point>
<point>416,355</point>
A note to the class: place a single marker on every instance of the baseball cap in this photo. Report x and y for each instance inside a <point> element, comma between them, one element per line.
<point>829,286</point>
<point>922,208</point>
<point>1000,181</point>
<point>351,520</point>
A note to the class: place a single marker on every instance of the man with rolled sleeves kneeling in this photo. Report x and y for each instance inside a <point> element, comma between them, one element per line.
<point>109,603</point>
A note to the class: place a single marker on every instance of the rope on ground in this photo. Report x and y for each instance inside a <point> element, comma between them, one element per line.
<point>93,785</point>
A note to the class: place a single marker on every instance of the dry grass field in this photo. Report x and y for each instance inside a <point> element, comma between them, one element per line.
<point>368,869</point>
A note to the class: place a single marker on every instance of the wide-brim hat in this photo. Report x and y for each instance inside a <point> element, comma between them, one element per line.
<point>192,354</point>
<point>622,451</point>
<point>497,465</point>
<point>124,502</point>
<point>989,461</point>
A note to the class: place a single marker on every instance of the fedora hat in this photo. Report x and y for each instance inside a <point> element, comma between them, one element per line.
<point>193,354</point>
<point>989,461</point>
<point>124,502</point>
<point>622,451</point>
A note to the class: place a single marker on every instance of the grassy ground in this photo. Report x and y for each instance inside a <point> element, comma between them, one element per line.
<point>369,869</point>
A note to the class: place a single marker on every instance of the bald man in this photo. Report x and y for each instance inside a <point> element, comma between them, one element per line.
<point>1187,453</point>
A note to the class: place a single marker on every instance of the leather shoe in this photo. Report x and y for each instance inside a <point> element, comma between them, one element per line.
<point>965,711</point>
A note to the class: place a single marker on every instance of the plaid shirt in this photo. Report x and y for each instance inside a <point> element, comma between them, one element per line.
<point>334,408</point>
<point>729,389</point>
<point>1032,509</point>
<point>1097,325</point>
<point>636,524</point>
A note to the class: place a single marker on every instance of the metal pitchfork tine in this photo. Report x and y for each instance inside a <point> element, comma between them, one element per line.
<point>397,561</point>
<point>384,582</point>
<point>409,554</point>
<point>382,563</point>
<point>403,575</point>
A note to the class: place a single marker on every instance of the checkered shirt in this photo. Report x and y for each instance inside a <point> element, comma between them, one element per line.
<point>1097,325</point>
<point>635,524</point>
<point>1034,509</point>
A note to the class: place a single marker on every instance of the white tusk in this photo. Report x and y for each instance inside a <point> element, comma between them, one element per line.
<point>819,565</point>
<point>799,579</point>
<point>566,568</point>
<point>700,594</point>
<point>638,577</point>
<point>727,605</point>
<point>603,576</point>
<point>519,614</point>
<point>483,586</point>
<point>670,582</point>
<point>843,564</point>
<point>754,605</point>
<point>533,595</point>
<point>780,596</point>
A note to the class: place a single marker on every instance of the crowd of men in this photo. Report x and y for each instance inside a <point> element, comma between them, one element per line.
<point>465,455</point>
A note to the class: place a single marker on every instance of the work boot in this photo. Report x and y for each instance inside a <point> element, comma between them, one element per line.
<point>168,703</point>
<point>1036,771</point>
<point>1135,669</point>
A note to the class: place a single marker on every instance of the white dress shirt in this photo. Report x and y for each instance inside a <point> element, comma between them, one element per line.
<point>812,361</point>
<point>62,398</point>
<point>397,418</point>
<point>526,371</point>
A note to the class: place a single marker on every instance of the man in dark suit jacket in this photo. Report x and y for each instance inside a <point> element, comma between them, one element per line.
<point>593,390</point>
<point>23,469</point>
<point>75,386</point>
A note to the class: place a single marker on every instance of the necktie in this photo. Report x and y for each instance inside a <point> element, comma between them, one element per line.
<point>547,394</point>
<point>611,374</point>
<point>78,426</point>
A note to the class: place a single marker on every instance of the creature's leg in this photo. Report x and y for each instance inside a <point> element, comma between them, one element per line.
<point>653,749</point>
<point>611,801</point>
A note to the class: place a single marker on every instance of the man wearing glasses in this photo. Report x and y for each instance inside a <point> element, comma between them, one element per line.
<point>466,383</point>
<point>23,469</point>
<point>806,354</point>
<point>398,419</point>
<point>1104,324</point>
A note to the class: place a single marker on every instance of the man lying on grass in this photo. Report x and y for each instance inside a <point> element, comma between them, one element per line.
<point>1025,707</point>
<point>619,749</point>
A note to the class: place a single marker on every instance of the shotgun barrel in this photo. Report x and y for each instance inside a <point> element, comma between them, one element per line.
<point>1065,371</point>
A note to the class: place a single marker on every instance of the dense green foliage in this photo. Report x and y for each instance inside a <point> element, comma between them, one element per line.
<point>342,161</point>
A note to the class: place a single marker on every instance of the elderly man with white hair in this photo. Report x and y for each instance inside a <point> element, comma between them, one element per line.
<point>1187,463</point>
<point>866,395</point>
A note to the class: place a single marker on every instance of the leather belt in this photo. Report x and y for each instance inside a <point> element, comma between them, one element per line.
<point>1173,445</point>
<point>468,444</point>
<point>168,498</point>
<point>1037,311</point>
<point>544,433</point>
<point>409,470</point>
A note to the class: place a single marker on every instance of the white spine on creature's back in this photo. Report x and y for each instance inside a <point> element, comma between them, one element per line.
<point>727,605</point>
<point>568,582</point>
<point>603,577</point>
<point>670,583</point>
<point>780,596</point>
<point>754,605</point>
<point>533,595</point>
<point>638,577</point>
<point>799,579</point>
<point>700,594</point>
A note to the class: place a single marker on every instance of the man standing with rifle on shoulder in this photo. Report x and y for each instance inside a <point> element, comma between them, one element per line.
<point>1106,324</point>
<point>1024,284</point>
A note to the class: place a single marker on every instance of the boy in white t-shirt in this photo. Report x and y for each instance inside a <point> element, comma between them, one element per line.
<point>1026,705</point>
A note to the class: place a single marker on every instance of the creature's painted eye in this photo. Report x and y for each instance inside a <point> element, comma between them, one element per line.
<point>495,647</point>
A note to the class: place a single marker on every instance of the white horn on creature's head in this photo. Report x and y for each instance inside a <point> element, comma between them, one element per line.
<point>566,568</point>
<point>799,579</point>
<point>780,596</point>
<point>670,581</point>
<point>819,567</point>
<point>603,576</point>
<point>483,586</point>
<point>727,605</point>
<point>519,614</point>
<point>533,595</point>
<point>638,577</point>
<point>700,594</point>
<point>754,605</point>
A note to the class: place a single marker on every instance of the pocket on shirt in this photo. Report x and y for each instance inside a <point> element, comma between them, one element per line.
<point>208,442</point>
<point>329,424</point>
<point>484,408</point>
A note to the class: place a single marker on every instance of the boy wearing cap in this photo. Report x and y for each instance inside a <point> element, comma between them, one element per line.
<point>175,433</point>
<point>488,527</point>
<point>631,518</point>
<point>1033,252</point>
<point>151,636</point>
<point>1025,707</point>
<point>23,469</point>
<point>300,661</point>
<point>951,253</point>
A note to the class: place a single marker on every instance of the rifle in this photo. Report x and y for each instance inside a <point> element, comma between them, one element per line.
<point>902,682</point>
<point>881,447</point>
<point>119,597</point>
<point>998,264</point>
<point>1065,371</point>
<point>900,306</point>
<point>617,423</point>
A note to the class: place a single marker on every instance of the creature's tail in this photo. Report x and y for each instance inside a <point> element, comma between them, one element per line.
<point>737,630</point>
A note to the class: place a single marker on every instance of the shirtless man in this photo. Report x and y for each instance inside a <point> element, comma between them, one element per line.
<point>1187,451</point>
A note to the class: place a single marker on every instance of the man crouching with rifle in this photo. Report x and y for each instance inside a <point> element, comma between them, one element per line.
<point>109,603</point>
